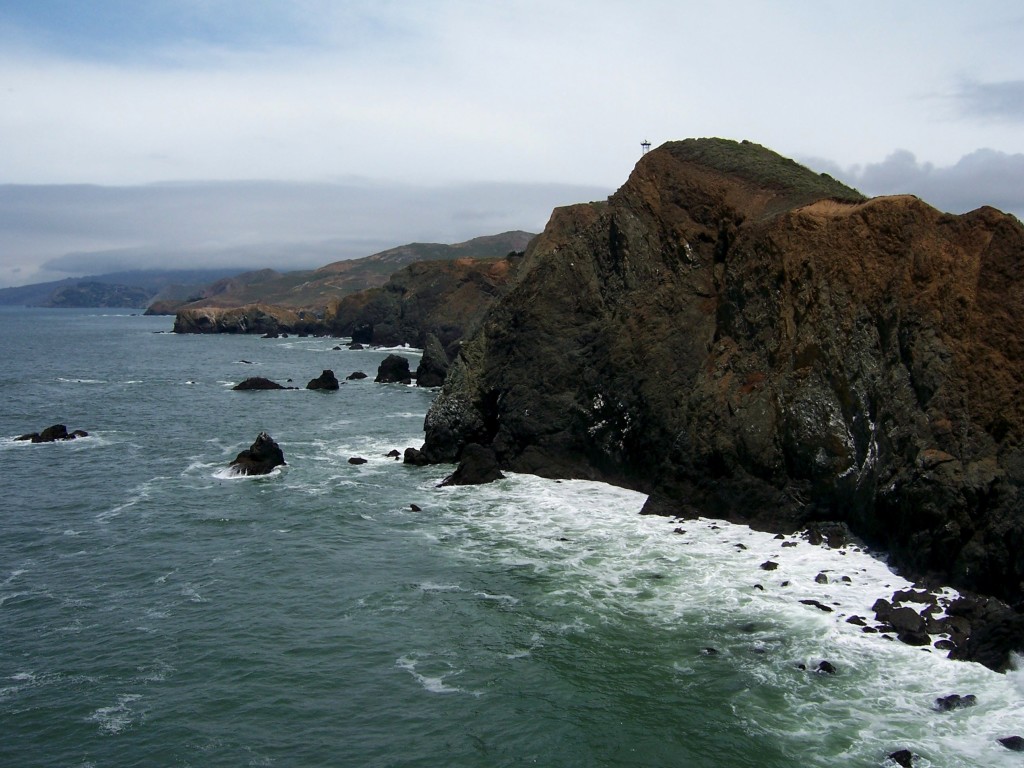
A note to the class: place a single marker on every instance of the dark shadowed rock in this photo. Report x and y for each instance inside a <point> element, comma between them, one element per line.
<point>415,508</point>
<point>357,460</point>
<point>1015,743</point>
<point>393,454</point>
<point>433,365</point>
<point>394,369</point>
<point>819,605</point>
<point>53,434</point>
<point>259,458</point>
<point>326,381</point>
<point>826,668</point>
<point>355,376</point>
<point>769,565</point>
<point>256,383</point>
<point>903,757</point>
<point>415,457</point>
<point>479,465</point>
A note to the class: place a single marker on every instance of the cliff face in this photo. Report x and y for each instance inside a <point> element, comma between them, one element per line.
<point>744,338</point>
<point>252,318</point>
<point>444,298</point>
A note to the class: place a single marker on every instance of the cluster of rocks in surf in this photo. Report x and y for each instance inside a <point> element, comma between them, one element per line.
<point>52,434</point>
<point>260,458</point>
<point>393,369</point>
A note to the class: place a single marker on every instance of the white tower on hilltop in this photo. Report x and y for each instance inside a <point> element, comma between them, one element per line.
<point>645,145</point>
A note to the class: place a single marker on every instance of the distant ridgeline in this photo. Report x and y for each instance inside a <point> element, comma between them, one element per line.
<point>130,289</point>
<point>744,338</point>
<point>396,296</point>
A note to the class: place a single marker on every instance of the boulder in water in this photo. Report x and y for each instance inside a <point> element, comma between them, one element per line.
<point>259,458</point>
<point>326,381</point>
<point>394,369</point>
<point>257,382</point>
<point>355,375</point>
<point>52,434</point>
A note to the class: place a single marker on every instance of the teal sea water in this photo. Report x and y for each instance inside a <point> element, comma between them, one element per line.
<point>155,611</point>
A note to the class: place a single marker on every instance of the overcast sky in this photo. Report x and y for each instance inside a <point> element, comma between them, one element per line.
<point>294,132</point>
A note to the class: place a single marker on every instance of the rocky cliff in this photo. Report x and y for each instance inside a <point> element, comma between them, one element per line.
<point>252,318</point>
<point>444,298</point>
<point>744,338</point>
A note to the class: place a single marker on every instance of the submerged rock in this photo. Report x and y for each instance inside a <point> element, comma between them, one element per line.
<point>955,701</point>
<point>260,458</point>
<point>1015,743</point>
<point>903,757</point>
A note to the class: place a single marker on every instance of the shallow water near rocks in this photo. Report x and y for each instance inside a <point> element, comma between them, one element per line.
<point>156,610</point>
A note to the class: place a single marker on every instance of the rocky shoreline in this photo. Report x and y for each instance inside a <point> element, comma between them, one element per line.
<point>743,338</point>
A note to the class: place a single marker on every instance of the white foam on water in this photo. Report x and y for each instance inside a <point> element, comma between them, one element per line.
<point>229,473</point>
<point>432,683</point>
<point>79,381</point>
<point>429,586</point>
<point>114,719</point>
<point>606,563</point>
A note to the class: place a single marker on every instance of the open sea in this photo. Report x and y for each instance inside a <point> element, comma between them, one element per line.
<point>157,611</point>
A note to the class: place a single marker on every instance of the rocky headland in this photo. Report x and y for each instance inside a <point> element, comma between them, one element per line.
<point>744,338</point>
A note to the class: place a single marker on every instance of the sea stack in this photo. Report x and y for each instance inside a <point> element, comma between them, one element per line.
<point>260,458</point>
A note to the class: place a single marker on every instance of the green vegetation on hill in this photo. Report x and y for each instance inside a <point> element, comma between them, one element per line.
<point>762,167</point>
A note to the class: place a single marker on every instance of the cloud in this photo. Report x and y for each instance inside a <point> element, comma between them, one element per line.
<point>1000,101</point>
<point>50,232</point>
<point>983,177</point>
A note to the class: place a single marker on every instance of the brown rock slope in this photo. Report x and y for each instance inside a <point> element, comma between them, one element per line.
<point>747,339</point>
<point>445,298</point>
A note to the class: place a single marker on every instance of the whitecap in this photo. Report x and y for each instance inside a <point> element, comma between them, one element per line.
<point>229,473</point>
<point>429,586</point>
<point>114,719</point>
<point>431,683</point>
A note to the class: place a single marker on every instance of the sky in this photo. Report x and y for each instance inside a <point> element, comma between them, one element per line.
<point>291,133</point>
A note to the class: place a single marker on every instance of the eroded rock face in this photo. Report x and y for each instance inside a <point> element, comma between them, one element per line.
<point>264,319</point>
<point>433,365</point>
<point>260,458</point>
<point>735,331</point>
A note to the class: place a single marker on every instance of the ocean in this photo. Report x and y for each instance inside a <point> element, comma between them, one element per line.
<point>157,611</point>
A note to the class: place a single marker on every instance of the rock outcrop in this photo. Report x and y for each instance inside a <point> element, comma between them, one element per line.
<point>250,318</point>
<point>326,381</point>
<point>744,338</point>
<point>260,458</point>
<point>257,383</point>
<point>441,298</point>
<point>433,367</point>
<point>52,434</point>
<point>394,369</point>
<point>479,465</point>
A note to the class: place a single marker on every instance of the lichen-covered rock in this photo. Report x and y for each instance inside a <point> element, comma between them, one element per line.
<point>733,332</point>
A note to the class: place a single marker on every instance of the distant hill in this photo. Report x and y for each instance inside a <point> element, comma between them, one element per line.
<point>129,289</point>
<point>317,288</point>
